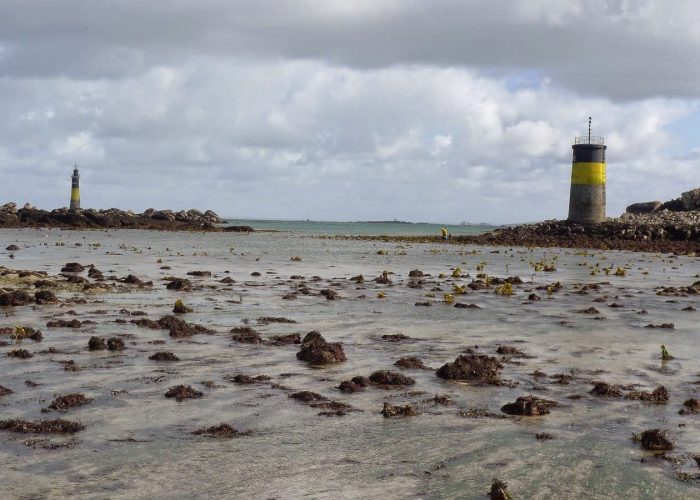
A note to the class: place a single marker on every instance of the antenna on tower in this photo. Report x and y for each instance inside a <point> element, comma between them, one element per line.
<point>589,130</point>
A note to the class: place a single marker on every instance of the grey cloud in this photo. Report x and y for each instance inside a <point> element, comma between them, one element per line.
<point>615,48</point>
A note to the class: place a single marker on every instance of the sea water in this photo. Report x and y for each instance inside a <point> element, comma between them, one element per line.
<point>138,444</point>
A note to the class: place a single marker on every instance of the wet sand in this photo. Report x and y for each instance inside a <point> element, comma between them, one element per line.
<point>593,326</point>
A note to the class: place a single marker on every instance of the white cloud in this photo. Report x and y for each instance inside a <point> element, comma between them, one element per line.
<point>445,111</point>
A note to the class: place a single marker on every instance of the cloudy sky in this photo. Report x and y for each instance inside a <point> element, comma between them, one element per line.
<point>439,110</point>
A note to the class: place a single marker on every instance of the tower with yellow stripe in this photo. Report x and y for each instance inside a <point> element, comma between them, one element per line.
<point>587,199</point>
<point>75,190</point>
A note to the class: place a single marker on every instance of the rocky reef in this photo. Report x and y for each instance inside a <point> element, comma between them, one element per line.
<point>113,218</point>
<point>662,231</point>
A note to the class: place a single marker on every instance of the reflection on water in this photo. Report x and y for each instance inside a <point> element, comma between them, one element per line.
<point>137,443</point>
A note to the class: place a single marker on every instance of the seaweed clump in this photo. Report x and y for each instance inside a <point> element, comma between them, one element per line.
<point>57,425</point>
<point>529,406</point>
<point>390,410</point>
<point>182,392</point>
<point>163,356</point>
<point>388,379</point>
<point>655,440</point>
<point>69,401</point>
<point>218,431</point>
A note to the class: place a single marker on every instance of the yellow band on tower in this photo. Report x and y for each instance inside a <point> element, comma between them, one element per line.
<point>75,194</point>
<point>588,173</point>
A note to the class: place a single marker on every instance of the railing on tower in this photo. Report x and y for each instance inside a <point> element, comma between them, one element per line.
<point>589,139</point>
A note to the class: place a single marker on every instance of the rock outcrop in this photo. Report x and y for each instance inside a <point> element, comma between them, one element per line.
<point>113,218</point>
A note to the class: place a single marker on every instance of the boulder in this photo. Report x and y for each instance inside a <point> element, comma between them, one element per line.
<point>691,199</point>
<point>474,367</point>
<point>645,207</point>
<point>315,350</point>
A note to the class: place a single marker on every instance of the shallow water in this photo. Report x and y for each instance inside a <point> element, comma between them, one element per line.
<point>138,444</point>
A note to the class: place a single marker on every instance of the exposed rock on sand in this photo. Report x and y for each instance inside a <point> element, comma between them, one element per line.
<point>41,427</point>
<point>180,284</point>
<point>386,378</point>
<point>308,397</point>
<point>69,401</point>
<point>45,297</point>
<point>354,385</point>
<point>15,298</point>
<point>411,362</point>
<point>218,431</point>
<point>182,392</point>
<point>246,335</point>
<point>97,344</point>
<point>390,410</point>
<point>529,406</point>
<point>472,367</point>
<point>163,356</point>
<point>656,440</point>
<point>315,350</point>
<point>690,407</point>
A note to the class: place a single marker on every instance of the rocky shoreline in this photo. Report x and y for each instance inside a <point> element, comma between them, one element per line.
<point>112,218</point>
<point>664,231</point>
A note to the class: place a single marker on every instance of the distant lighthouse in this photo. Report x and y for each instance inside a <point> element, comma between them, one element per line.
<point>75,190</point>
<point>587,199</point>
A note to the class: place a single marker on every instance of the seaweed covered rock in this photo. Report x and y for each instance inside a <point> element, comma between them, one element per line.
<point>655,440</point>
<point>529,406</point>
<point>247,379</point>
<point>390,410</point>
<point>178,328</point>
<point>163,356</point>
<point>354,385</point>
<point>200,274</point>
<point>329,294</point>
<point>115,344</point>
<point>41,427</point>
<point>69,401</point>
<point>45,297</point>
<point>411,362</point>
<point>246,335</point>
<point>606,390</point>
<point>291,338</point>
<point>395,337</point>
<point>658,395</point>
<point>499,491</point>
<point>181,308</point>
<point>64,323</point>
<point>15,298</point>
<point>72,267</point>
<point>315,350</point>
<point>308,397</point>
<point>472,367</point>
<point>180,284</point>
<point>20,354</point>
<point>182,392</point>
<point>97,344</point>
<point>387,378</point>
<point>221,431</point>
